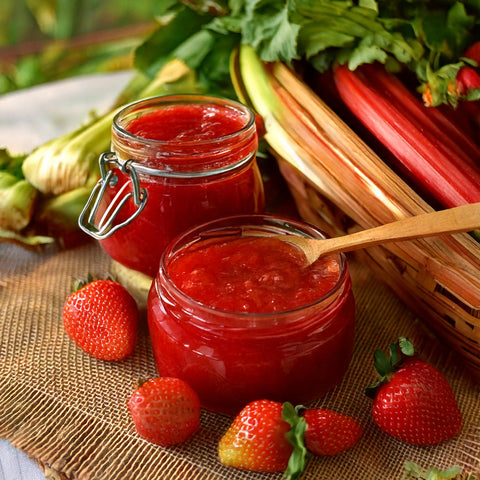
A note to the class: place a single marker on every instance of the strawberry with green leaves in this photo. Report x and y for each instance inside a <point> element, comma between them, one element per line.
<point>101,317</point>
<point>165,411</point>
<point>268,436</point>
<point>413,401</point>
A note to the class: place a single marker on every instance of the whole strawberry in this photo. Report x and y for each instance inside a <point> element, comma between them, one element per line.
<point>165,411</point>
<point>256,440</point>
<point>102,318</point>
<point>413,401</point>
<point>268,436</point>
<point>329,433</point>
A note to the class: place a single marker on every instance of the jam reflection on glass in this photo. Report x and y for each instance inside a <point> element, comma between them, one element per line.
<point>240,317</point>
<point>195,156</point>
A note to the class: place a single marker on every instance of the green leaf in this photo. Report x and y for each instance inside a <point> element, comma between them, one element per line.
<point>366,54</point>
<point>371,4</point>
<point>194,50</point>
<point>313,40</point>
<point>214,71</point>
<point>416,472</point>
<point>382,363</point>
<point>157,49</point>
<point>296,436</point>
<point>473,94</point>
<point>406,346</point>
<point>267,27</point>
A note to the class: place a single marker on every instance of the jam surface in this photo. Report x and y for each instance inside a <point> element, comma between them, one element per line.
<point>253,275</point>
<point>187,123</point>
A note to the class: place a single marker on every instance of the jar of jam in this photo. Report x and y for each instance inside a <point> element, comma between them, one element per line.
<point>176,161</point>
<point>239,315</point>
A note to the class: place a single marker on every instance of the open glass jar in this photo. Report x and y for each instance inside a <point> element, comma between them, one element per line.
<point>176,161</point>
<point>230,357</point>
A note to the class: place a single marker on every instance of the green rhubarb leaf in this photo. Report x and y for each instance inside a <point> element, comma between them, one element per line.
<point>268,29</point>
<point>160,46</point>
<point>444,32</point>
<point>366,54</point>
<point>194,50</point>
<point>214,71</point>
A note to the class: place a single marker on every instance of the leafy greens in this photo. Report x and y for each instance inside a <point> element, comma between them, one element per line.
<point>426,36</point>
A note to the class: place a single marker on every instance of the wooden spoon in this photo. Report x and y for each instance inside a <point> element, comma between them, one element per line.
<point>451,220</point>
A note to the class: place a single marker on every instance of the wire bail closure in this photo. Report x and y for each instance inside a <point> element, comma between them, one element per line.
<point>105,227</point>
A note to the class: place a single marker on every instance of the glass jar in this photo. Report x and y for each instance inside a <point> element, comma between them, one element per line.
<point>176,161</point>
<point>232,358</point>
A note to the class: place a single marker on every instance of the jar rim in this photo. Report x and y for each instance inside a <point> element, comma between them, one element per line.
<point>295,226</point>
<point>180,99</point>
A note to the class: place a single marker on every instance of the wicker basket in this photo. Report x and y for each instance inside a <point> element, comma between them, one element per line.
<point>340,184</point>
<point>443,293</point>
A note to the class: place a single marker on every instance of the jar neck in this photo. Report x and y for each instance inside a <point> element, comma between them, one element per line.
<point>182,155</point>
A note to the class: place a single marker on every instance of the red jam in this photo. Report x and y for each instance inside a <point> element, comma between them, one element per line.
<point>252,274</point>
<point>188,123</point>
<point>195,157</point>
<point>241,318</point>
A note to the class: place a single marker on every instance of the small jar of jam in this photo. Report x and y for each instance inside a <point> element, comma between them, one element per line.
<point>176,161</point>
<point>239,315</point>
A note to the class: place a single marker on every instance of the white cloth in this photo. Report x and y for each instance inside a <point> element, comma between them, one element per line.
<point>32,116</point>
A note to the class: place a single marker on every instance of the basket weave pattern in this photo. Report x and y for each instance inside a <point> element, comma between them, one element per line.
<point>437,278</point>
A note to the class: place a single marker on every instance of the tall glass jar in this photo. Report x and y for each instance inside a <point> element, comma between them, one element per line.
<point>176,161</point>
<point>231,358</point>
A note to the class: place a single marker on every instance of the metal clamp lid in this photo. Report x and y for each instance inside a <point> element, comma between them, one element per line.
<point>105,227</point>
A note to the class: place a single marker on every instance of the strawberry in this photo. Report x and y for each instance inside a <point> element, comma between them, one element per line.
<point>329,433</point>
<point>101,318</point>
<point>165,411</point>
<point>467,79</point>
<point>256,439</point>
<point>413,401</point>
<point>267,436</point>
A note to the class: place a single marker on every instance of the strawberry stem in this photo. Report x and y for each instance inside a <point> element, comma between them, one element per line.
<point>296,436</point>
<point>387,366</point>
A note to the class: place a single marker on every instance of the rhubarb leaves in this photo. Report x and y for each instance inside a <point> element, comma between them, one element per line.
<point>425,36</point>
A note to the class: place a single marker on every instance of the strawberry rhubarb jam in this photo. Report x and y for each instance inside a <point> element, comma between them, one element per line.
<point>240,316</point>
<point>177,161</point>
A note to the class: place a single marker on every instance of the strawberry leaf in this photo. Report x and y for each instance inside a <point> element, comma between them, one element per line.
<point>415,472</point>
<point>406,346</point>
<point>382,363</point>
<point>296,437</point>
<point>387,366</point>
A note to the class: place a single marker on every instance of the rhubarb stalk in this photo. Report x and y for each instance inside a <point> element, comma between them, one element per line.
<point>422,150</point>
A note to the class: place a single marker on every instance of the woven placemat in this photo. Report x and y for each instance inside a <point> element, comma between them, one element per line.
<point>68,411</point>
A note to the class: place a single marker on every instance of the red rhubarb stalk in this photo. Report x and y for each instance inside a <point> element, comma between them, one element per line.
<point>419,148</point>
<point>430,119</point>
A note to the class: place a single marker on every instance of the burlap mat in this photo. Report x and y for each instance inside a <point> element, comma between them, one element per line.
<point>68,410</point>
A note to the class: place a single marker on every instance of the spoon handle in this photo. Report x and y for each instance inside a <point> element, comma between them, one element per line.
<point>452,220</point>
